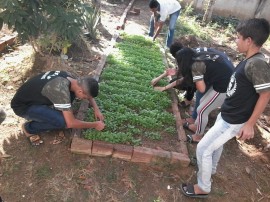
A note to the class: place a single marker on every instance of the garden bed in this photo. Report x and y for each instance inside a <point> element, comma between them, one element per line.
<point>142,125</point>
<point>135,113</point>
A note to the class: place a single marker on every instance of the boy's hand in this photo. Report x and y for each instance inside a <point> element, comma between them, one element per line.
<point>171,71</point>
<point>246,132</point>
<point>100,125</point>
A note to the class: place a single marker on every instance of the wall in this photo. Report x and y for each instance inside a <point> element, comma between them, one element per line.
<point>241,9</point>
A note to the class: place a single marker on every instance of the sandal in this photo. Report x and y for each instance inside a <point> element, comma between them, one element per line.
<point>35,140</point>
<point>186,126</point>
<point>190,139</point>
<point>188,190</point>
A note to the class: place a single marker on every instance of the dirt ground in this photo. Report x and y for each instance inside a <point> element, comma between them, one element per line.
<point>52,173</point>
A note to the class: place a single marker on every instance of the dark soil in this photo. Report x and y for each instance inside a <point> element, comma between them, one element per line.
<point>52,173</point>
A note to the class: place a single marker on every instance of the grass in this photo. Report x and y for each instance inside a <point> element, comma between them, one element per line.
<point>221,28</point>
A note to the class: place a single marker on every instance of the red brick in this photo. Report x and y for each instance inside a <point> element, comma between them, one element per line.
<point>180,159</point>
<point>122,151</point>
<point>161,156</point>
<point>81,146</point>
<point>142,155</point>
<point>102,148</point>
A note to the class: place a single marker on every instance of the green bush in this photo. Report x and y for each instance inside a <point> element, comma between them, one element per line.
<point>57,23</point>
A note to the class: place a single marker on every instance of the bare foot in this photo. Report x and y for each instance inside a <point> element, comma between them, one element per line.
<point>198,190</point>
<point>192,127</point>
<point>196,138</point>
<point>189,120</point>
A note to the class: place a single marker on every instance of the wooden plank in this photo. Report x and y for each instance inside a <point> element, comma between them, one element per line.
<point>178,120</point>
<point>121,24</point>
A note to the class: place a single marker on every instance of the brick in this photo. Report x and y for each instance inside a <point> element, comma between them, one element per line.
<point>81,146</point>
<point>122,151</point>
<point>161,157</point>
<point>142,155</point>
<point>102,148</point>
<point>180,159</point>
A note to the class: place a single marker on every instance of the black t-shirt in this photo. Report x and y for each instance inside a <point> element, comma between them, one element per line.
<point>214,67</point>
<point>251,76</point>
<point>50,88</point>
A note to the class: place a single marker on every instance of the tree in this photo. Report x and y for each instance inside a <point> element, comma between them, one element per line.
<point>208,11</point>
<point>56,23</point>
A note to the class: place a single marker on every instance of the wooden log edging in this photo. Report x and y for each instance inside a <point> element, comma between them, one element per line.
<point>182,138</point>
<point>127,152</point>
<point>123,18</point>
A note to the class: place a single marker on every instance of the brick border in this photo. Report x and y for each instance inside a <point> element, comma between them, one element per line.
<point>127,152</point>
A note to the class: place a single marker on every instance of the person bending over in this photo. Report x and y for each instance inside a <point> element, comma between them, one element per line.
<point>161,10</point>
<point>46,101</point>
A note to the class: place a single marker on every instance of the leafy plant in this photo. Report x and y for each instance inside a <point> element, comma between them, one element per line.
<point>133,110</point>
<point>91,20</point>
<point>56,23</point>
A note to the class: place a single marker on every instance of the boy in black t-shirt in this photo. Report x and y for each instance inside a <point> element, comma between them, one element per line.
<point>46,100</point>
<point>248,94</point>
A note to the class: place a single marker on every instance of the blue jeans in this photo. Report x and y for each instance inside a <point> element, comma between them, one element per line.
<point>197,103</point>
<point>170,34</point>
<point>210,148</point>
<point>43,118</point>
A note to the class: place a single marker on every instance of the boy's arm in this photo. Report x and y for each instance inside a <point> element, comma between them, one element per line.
<point>159,28</point>
<point>169,86</point>
<point>247,131</point>
<point>98,114</point>
<point>200,86</point>
<point>72,122</point>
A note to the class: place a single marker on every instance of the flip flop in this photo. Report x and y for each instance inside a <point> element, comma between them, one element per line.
<point>190,139</point>
<point>35,140</point>
<point>186,126</point>
<point>188,190</point>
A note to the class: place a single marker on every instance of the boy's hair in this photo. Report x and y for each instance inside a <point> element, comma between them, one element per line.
<point>185,59</point>
<point>256,28</point>
<point>89,85</point>
<point>176,46</point>
<point>153,4</point>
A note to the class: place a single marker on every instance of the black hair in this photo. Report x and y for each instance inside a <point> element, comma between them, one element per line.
<point>185,59</point>
<point>256,28</point>
<point>89,85</point>
<point>153,4</point>
<point>176,46</point>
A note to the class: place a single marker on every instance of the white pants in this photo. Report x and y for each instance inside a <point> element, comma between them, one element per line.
<point>210,148</point>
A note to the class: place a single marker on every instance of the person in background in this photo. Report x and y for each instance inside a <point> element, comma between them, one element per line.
<point>178,81</point>
<point>210,70</point>
<point>248,94</point>
<point>46,100</point>
<point>206,70</point>
<point>161,10</point>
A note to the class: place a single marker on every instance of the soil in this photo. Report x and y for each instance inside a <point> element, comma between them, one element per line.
<point>52,173</point>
